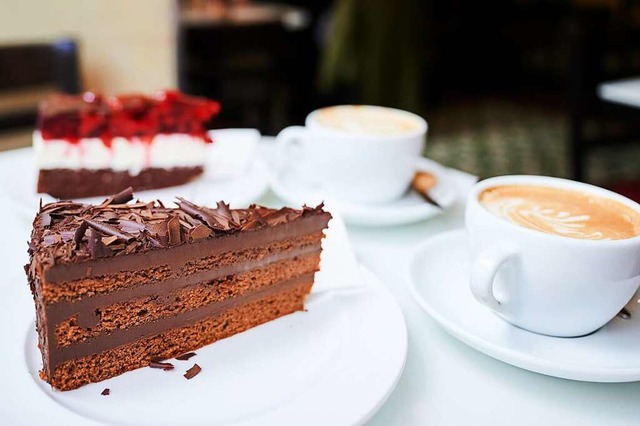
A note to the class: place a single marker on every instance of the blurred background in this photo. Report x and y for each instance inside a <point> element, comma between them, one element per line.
<point>508,86</point>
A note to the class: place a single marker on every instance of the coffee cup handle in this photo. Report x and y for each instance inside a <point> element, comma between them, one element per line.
<point>484,270</point>
<point>285,141</point>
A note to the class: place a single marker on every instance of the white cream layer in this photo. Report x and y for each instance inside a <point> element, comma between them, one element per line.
<point>132,155</point>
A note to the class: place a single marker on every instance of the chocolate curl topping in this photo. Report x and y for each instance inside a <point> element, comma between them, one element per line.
<point>121,197</point>
<point>69,231</point>
<point>130,226</point>
<point>173,229</point>
<point>51,239</point>
<point>200,232</point>
<point>45,219</point>
<point>216,219</point>
<point>224,210</point>
<point>108,229</point>
<point>79,234</point>
<point>253,224</point>
<point>96,247</point>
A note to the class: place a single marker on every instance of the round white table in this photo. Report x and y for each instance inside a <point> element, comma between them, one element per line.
<point>445,382</point>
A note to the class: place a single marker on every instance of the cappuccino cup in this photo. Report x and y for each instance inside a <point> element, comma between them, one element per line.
<point>550,255</point>
<point>354,153</point>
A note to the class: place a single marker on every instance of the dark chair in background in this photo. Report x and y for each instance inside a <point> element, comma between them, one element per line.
<point>261,72</point>
<point>603,46</point>
<point>30,72</point>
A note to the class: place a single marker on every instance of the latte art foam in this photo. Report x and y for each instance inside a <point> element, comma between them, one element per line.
<point>562,212</point>
<point>367,120</point>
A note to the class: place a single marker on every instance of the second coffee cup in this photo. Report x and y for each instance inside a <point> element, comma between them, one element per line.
<point>355,153</point>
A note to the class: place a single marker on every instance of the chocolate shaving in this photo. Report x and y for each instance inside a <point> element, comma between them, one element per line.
<point>196,211</point>
<point>108,229</point>
<point>253,224</point>
<point>106,392</point>
<point>96,247</point>
<point>166,366</point>
<point>67,235</point>
<point>186,356</point>
<point>121,197</point>
<point>277,217</point>
<point>192,372</point>
<point>51,239</point>
<point>223,210</point>
<point>109,240</point>
<point>130,226</point>
<point>200,232</point>
<point>173,230</point>
<point>79,234</point>
<point>156,228</point>
<point>215,220</point>
<point>45,219</point>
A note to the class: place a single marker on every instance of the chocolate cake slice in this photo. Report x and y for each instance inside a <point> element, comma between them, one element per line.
<point>90,145</point>
<point>120,285</point>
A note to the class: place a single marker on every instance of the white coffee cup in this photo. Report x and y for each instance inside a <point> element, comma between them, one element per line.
<point>547,283</point>
<point>354,164</point>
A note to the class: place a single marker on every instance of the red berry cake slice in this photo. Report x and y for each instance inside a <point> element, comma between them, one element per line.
<point>92,145</point>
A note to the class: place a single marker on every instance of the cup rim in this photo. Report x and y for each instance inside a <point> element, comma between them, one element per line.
<point>423,126</point>
<point>556,183</point>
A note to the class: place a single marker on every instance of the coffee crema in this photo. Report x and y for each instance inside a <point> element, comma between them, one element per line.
<point>367,120</point>
<point>563,212</point>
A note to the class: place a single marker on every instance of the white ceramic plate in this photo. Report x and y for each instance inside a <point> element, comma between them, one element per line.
<point>408,209</point>
<point>233,174</point>
<point>334,364</point>
<point>439,281</point>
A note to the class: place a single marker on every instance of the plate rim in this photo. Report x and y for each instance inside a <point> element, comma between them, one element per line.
<point>499,352</point>
<point>409,215</point>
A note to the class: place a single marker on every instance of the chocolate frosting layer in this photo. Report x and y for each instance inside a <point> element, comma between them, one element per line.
<point>72,240</point>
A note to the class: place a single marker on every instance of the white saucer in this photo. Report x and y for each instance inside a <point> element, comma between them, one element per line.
<point>408,209</point>
<point>438,280</point>
<point>219,182</point>
<point>335,363</point>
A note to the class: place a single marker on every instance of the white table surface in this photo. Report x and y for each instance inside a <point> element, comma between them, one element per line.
<point>625,92</point>
<point>445,382</point>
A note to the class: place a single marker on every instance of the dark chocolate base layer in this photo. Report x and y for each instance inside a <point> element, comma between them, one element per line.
<point>69,184</point>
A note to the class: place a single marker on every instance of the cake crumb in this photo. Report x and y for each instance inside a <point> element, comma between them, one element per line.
<point>106,392</point>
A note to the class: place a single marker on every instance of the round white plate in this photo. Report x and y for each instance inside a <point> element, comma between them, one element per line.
<point>408,209</point>
<point>333,364</point>
<point>439,281</point>
<point>217,183</point>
